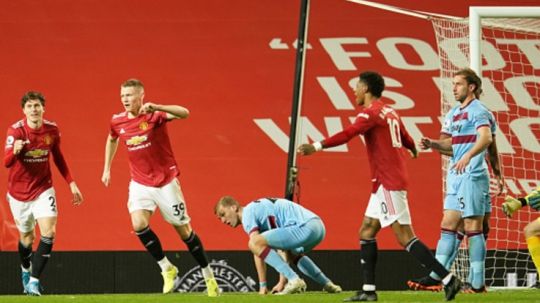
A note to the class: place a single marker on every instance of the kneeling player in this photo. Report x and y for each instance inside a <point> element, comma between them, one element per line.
<point>279,224</point>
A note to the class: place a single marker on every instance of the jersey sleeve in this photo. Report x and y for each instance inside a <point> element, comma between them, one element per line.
<point>112,131</point>
<point>9,157</point>
<point>482,118</point>
<point>364,121</point>
<point>59,160</point>
<point>249,220</point>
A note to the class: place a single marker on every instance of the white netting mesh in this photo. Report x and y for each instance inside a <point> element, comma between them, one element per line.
<point>511,83</point>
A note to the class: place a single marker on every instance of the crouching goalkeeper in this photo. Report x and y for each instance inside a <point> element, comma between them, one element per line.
<point>532,230</point>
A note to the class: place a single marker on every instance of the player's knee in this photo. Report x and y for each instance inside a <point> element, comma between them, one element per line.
<point>368,230</point>
<point>139,226</point>
<point>27,238</point>
<point>139,222</point>
<point>50,233</point>
<point>184,231</point>
<point>256,243</point>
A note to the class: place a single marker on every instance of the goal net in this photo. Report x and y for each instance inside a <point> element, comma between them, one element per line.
<point>511,82</point>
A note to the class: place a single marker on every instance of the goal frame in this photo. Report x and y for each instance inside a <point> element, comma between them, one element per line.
<point>476,13</point>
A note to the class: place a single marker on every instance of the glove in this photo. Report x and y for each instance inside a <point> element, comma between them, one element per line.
<point>510,206</point>
<point>533,199</point>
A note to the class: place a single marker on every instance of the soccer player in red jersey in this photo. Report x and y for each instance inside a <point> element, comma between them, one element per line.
<point>143,129</point>
<point>385,136</point>
<point>31,195</point>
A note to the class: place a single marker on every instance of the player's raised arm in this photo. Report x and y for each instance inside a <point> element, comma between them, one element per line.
<point>172,111</point>
<point>308,149</point>
<point>360,125</point>
<point>110,150</point>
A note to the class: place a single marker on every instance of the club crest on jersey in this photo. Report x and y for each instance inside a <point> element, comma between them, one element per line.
<point>136,140</point>
<point>37,153</point>
<point>143,125</point>
<point>47,139</point>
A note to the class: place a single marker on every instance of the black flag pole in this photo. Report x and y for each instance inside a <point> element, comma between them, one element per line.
<point>292,171</point>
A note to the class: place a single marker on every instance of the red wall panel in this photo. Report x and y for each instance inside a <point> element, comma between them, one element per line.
<point>215,58</point>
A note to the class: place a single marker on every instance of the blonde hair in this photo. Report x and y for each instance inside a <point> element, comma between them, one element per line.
<point>133,83</point>
<point>225,201</point>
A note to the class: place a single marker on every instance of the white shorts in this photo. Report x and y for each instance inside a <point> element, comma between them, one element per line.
<point>169,198</point>
<point>26,213</point>
<point>389,206</point>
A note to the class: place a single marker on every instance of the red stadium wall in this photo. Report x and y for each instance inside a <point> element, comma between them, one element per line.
<point>231,63</point>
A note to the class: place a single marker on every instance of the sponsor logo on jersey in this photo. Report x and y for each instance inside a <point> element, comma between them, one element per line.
<point>228,278</point>
<point>37,153</point>
<point>136,140</point>
<point>143,125</point>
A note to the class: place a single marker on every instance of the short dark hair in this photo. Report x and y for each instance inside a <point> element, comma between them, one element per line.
<point>133,83</point>
<point>32,95</point>
<point>374,82</point>
<point>472,78</point>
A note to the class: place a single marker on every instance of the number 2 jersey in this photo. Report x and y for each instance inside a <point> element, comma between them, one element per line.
<point>150,155</point>
<point>30,171</point>
<point>269,213</point>
<point>384,136</point>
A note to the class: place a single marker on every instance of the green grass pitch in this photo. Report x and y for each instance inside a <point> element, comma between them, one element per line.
<point>513,296</point>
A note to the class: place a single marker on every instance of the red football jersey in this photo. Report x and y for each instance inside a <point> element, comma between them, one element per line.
<point>384,135</point>
<point>151,159</point>
<point>30,171</point>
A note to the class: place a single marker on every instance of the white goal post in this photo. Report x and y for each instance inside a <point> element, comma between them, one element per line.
<point>476,13</point>
<point>497,25</point>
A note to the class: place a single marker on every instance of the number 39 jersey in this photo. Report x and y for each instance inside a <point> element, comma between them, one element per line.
<point>151,159</point>
<point>384,135</point>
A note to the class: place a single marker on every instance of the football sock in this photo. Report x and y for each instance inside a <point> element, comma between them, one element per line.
<point>420,251</point>
<point>477,256</point>
<point>43,253</point>
<point>310,269</point>
<point>151,242</point>
<point>25,253</point>
<point>459,238</point>
<point>272,258</point>
<point>196,249</point>
<point>445,250</point>
<point>533,243</point>
<point>368,258</point>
